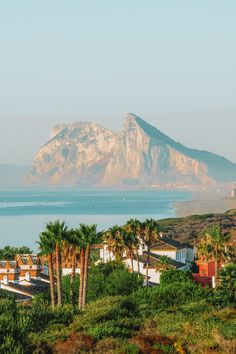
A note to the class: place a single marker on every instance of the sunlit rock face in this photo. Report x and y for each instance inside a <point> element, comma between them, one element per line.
<point>142,157</point>
<point>139,155</point>
<point>76,154</point>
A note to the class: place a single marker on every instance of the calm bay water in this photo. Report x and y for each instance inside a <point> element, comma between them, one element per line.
<point>23,214</point>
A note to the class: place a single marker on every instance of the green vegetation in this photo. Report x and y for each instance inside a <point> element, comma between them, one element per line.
<point>191,228</point>
<point>106,309</point>
<point>121,316</point>
<point>9,253</point>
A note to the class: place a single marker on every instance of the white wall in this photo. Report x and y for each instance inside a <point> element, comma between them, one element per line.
<point>170,254</point>
<point>154,276</point>
<point>66,271</point>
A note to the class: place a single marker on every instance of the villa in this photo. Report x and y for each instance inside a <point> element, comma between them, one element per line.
<point>180,255</point>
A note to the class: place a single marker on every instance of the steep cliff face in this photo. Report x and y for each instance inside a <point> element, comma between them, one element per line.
<point>142,158</point>
<point>87,154</point>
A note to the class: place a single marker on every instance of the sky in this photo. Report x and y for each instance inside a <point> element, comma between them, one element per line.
<point>171,62</point>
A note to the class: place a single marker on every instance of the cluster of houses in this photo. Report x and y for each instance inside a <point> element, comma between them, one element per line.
<point>26,275</point>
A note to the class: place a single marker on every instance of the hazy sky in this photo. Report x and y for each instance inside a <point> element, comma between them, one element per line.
<point>173,62</point>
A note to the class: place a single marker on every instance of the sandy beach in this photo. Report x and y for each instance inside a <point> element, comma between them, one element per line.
<point>203,204</point>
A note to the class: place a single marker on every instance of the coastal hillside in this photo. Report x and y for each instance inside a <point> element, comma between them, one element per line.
<point>189,229</point>
<point>86,154</point>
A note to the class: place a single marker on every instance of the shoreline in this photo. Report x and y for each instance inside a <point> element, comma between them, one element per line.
<point>205,203</point>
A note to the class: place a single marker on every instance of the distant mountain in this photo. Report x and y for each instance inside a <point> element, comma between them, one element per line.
<point>12,176</point>
<point>85,153</point>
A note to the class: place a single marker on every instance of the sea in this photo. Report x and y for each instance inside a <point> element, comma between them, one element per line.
<point>24,213</point>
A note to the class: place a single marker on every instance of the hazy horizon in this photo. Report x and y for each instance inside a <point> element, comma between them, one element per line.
<point>171,63</point>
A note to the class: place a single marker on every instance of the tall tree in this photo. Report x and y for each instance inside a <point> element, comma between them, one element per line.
<point>89,236</point>
<point>47,249</point>
<point>71,251</point>
<point>133,227</point>
<point>58,231</point>
<point>129,243</point>
<point>113,238</point>
<point>149,233</point>
<point>216,246</point>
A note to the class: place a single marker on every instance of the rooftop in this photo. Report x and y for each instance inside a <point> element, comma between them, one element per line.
<point>154,258</point>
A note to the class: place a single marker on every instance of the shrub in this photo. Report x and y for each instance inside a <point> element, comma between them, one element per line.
<point>10,346</point>
<point>147,343</point>
<point>105,279</point>
<point>228,284</point>
<point>171,276</point>
<point>75,343</point>
<point>113,279</point>
<point>165,296</point>
<point>110,316</point>
<point>14,327</point>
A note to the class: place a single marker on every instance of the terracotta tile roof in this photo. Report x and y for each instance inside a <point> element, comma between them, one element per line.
<point>28,258</point>
<point>8,264</point>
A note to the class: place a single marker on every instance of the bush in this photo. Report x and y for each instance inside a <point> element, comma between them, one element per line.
<point>75,343</point>
<point>14,327</point>
<point>113,279</point>
<point>110,316</point>
<point>166,296</point>
<point>147,343</point>
<point>171,276</point>
<point>227,290</point>
<point>105,279</point>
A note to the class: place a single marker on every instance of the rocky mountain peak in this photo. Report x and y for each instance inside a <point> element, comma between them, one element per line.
<point>141,155</point>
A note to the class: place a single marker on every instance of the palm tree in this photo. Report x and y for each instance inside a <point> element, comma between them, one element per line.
<point>113,238</point>
<point>163,264</point>
<point>149,233</point>
<point>133,227</point>
<point>71,250</point>
<point>89,237</point>
<point>216,246</point>
<point>47,248</point>
<point>57,230</point>
<point>129,244</point>
<point>228,280</point>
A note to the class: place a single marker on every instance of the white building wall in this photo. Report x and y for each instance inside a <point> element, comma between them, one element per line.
<point>106,255</point>
<point>154,276</point>
<point>66,271</point>
<point>170,254</point>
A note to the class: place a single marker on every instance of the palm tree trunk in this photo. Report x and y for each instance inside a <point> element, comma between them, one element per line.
<point>81,282</point>
<point>132,261</point>
<point>137,255</point>
<point>147,268</point>
<point>58,266</point>
<point>51,278</point>
<point>72,278</point>
<point>85,280</point>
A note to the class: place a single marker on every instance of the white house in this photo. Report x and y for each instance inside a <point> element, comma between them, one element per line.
<point>180,256</point>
